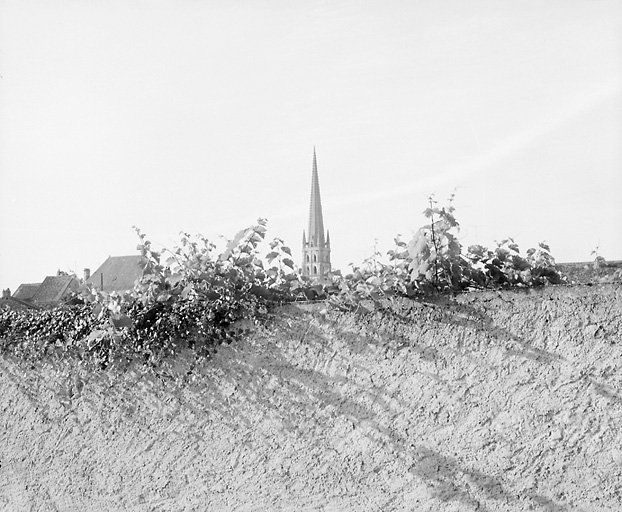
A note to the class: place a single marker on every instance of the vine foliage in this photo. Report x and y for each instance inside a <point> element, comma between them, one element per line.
<point>195,296</point>
<point>434,261</point>
<point>191,296</point>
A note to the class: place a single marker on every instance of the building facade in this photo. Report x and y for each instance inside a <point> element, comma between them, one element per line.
<point>315,243</point>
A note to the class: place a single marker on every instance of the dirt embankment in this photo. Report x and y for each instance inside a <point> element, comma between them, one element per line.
<point>493,402</point>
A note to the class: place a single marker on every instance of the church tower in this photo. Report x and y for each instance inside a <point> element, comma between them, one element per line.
<point>315,246</point>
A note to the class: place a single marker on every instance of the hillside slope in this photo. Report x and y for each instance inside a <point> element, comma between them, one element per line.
<point>505,401</point>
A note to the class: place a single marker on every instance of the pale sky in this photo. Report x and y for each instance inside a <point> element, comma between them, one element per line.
<point>202,116</point>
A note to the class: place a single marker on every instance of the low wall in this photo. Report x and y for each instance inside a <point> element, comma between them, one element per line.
<point>495,401</point>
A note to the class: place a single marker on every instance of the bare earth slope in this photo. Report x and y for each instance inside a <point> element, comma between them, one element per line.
<point>492,402</point>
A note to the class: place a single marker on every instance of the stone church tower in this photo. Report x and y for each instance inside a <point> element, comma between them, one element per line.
<point>315,248</point>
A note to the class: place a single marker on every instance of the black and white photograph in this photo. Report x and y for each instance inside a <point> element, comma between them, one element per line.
<point>348,255</point>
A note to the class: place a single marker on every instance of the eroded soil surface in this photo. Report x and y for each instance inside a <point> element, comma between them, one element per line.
<point>491,402</point>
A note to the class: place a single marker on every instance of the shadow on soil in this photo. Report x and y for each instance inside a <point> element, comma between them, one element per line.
<point>446,478</point>
<point>258,381</point>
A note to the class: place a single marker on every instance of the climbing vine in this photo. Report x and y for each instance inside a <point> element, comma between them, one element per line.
<point>434,261</point>
<point>194,296</point>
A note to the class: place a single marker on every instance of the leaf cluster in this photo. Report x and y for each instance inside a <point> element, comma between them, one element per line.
<point>196,296</point>
<point>434,261</point>
<point>190,296</point>
<point>31,333</point>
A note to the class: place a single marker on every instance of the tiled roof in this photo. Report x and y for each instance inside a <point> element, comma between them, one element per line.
<point>26,291</point>
<point>13,303</point>
<point>54,288</point>
<point>119,273</point>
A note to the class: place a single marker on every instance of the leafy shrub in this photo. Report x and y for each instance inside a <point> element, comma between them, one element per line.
<point>189,296</point>
<point>433,261</point>
<point>193,296</point>
<point>435,253</point>
<point>30,333</point>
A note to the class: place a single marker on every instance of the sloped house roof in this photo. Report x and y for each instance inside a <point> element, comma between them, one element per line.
<point>117,273</point>
<point>26,291</point>
<point>54,288</point>
<point>16,304</point>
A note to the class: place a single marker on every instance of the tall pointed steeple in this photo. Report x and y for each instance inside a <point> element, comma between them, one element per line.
<point>316,219</point>
<point>315,244</point>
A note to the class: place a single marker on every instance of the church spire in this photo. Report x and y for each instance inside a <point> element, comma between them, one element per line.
<point>315,243</point>
<point>316,220</point>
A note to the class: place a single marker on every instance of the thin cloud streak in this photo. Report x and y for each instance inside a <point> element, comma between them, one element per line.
<point>511,146</point>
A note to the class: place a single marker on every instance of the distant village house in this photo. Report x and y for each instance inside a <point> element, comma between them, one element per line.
<point>52,291</point>
<point>116,274</point>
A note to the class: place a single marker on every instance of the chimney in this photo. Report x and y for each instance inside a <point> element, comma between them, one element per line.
<point>6,294</point>
<point>87,274</point>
